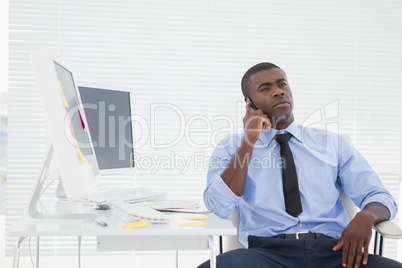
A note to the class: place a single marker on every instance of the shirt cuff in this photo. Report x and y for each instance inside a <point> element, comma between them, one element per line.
<point>384,200</point>
<point>224,199</point>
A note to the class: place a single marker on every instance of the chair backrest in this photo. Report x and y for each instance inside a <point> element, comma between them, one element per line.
<point>232,242</point>
<point>350,207</point>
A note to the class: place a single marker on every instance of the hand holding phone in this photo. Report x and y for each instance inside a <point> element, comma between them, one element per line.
<point>262,123</point>
<point>253,108</point>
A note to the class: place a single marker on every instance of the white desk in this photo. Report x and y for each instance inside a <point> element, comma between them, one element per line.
<point>155,237</point>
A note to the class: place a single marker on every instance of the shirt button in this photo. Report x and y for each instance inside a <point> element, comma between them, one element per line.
<point>301,224</point>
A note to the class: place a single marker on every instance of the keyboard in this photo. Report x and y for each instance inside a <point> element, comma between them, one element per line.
<point>131,195</point>
<point>140,212</point>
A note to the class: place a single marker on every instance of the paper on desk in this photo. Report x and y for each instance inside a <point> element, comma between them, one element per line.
<point>185,206</point>
<point>200,218</point>
<point>172,204</point>
<point>193,224</point>
<point>137,224</point>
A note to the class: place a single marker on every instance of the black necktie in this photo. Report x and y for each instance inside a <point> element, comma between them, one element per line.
<point>289,177</point>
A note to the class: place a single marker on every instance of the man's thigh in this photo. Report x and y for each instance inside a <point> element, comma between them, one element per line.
<point>250,258</point>
<point>375,261</point>
<point>333,259</point>
<point>264,252</point>
<point>272,253</point>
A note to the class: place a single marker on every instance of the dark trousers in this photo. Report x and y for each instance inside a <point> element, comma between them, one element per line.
<point>264,252</point>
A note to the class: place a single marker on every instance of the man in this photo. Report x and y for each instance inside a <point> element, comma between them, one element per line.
<point>246,172</point>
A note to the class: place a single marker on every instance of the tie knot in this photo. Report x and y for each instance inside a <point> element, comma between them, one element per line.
<point>281,138</point>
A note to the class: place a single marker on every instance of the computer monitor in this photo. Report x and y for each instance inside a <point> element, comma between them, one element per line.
<point>69,137</point>
<point>108,111</point>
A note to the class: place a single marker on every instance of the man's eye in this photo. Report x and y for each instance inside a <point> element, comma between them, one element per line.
<point>283,84</point>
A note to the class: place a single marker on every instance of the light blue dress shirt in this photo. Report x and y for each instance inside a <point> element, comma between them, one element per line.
<point>325,164</point>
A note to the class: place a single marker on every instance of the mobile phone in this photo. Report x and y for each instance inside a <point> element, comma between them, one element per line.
<point>253,108</point>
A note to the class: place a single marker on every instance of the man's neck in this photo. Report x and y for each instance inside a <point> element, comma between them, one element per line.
<point>282,124</point>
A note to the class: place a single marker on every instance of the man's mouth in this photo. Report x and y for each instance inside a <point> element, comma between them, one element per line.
<point>282,104</point>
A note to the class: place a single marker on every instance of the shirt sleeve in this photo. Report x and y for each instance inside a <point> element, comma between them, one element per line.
<point>359,181</point>
<point>218,197</point>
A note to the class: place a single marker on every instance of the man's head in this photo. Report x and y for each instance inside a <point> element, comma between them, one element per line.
<point>253,70</point>
<point>267,86</point>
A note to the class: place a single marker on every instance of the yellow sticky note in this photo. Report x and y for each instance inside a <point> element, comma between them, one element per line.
<point>193,224</point>
<point>202,218</point>
<point>81,157</point>
<point>137,224</point>
<point>64,97</point>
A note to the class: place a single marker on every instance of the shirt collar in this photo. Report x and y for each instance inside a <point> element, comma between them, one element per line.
<point>293,128</point>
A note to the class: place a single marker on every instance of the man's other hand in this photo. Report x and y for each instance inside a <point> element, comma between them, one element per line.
<point>355,241</point>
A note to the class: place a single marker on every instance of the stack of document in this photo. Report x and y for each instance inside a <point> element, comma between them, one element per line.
<point>176,206</point>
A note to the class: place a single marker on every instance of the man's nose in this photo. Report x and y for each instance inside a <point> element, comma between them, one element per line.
<point>278,92</point>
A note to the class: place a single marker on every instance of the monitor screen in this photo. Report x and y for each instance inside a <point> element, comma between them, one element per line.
<point>69,138</point>
<point>108,112</point>
<point>74,114</point>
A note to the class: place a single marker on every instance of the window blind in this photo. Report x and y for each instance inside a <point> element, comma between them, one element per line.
<point>184,61</point>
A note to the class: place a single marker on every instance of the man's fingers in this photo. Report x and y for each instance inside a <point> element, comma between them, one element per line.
<point>264,121</point>
<point>339,245</point>
<point>266,124</point>
<point>248,108</point>
<point>351,255</point>
<point>366,254</point>
<point>359,255</point>
<point>345,255</point>
<point>269,125</point>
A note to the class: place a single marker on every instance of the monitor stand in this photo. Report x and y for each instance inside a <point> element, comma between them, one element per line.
<point>60,193</point>
<point>38,190</point>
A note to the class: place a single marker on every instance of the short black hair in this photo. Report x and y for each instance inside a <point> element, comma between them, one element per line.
<point>253,70</point>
